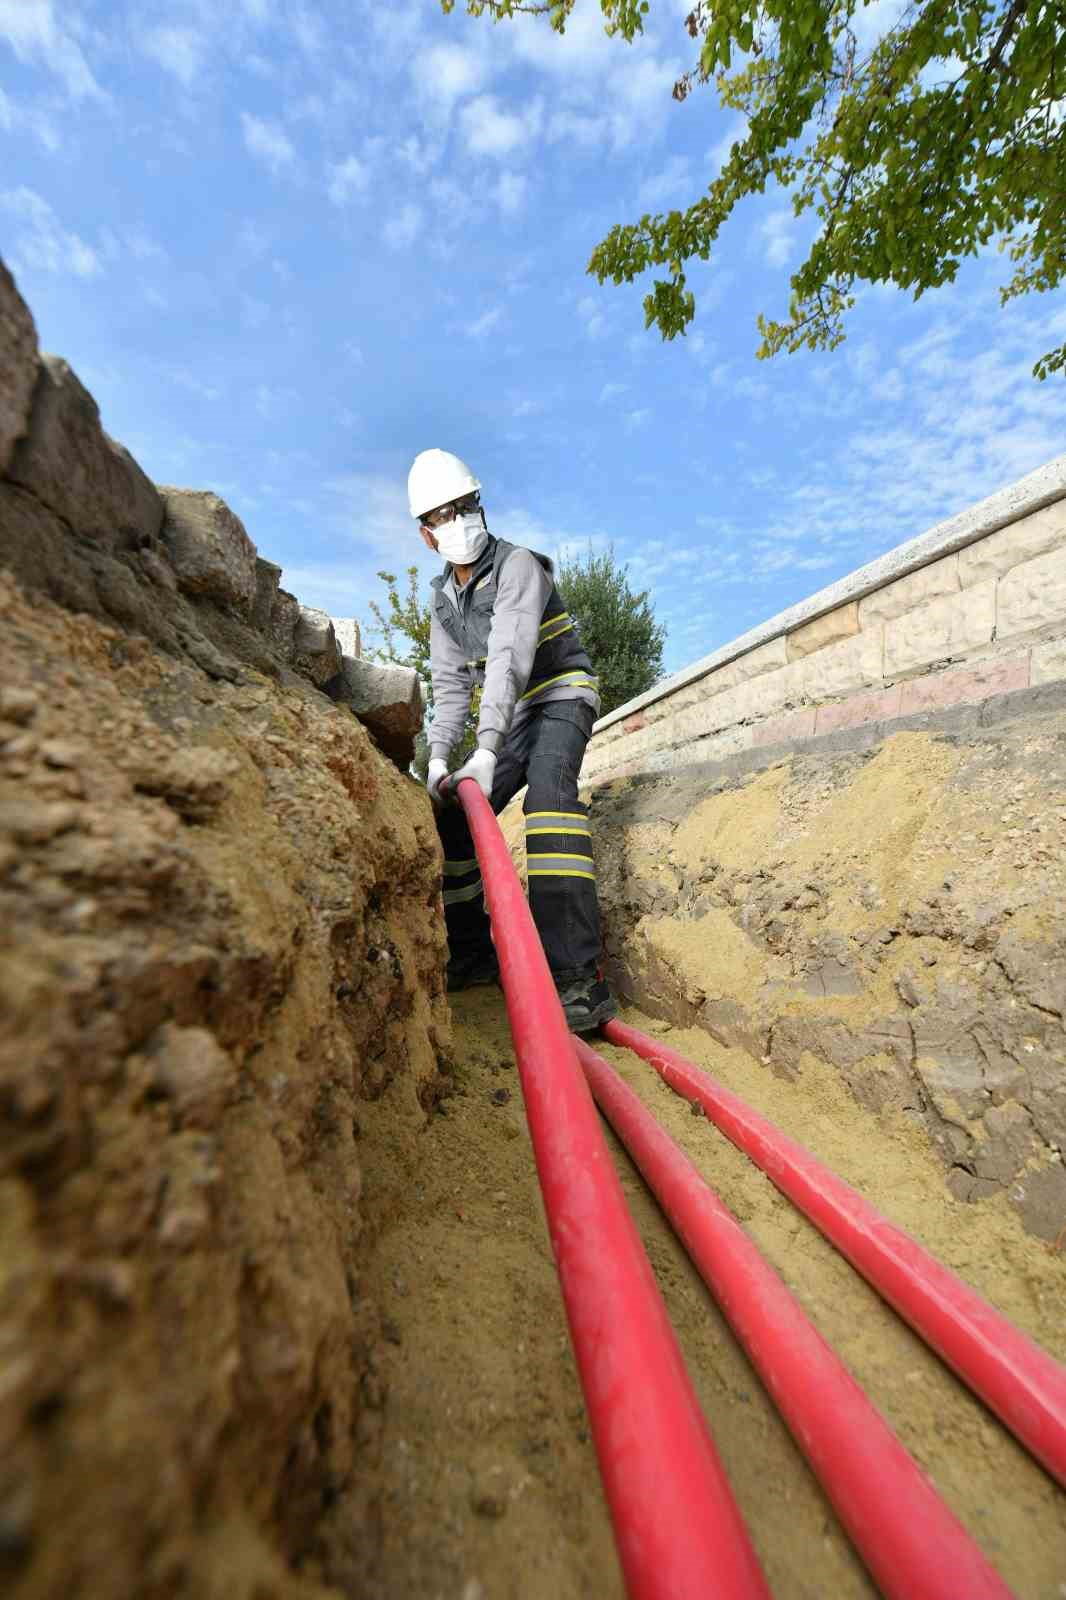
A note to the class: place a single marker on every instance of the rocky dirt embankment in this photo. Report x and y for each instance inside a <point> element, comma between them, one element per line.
<point>222,1025</point>
<point>895,912</point>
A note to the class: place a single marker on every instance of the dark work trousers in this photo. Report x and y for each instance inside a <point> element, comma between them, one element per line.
<point>545,754</point>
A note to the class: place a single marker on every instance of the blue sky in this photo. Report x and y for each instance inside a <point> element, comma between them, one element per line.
<point>289,243</point>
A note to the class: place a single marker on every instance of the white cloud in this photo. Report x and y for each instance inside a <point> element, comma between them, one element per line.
<point>592,316</point>
<point>403,228</point>
<point>272,404</point>
<point>34,33</point>
<point>419,154</point>
<point>347,178</point>
<point>35,119</point>
<point>778,231</point>
<point>268,142</point>
<point>309,30</point>
<point>509,193</point>
<point>490,130</point>
<point>611,391</point>
<point>484,324</point>
<point>638,419</point>
<point>178,50</point>
<point>43,243</point>
<point>670,184</point>
<point>443,74</point>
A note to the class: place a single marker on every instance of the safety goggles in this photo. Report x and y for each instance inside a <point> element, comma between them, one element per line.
<point>442,514</point>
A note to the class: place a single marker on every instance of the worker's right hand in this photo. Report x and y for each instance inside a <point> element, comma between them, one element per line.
<point>438,769</point>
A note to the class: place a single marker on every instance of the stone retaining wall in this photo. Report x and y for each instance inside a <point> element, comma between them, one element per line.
<point>974,608</point>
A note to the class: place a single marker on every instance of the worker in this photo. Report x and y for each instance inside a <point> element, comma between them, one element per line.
<point>496,620</point>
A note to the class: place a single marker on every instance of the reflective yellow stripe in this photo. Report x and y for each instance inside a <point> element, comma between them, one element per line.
<point>472,890</point>
<point>557,855</point>
<point>455,869</point>
<point>535,872</point>
<point>556,633</point>
<point>560,616</point>
<point>575,816</point>
<point>578,833</point>
<point>579,679</point>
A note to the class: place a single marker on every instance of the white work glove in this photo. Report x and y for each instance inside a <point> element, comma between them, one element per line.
<point>482,768</point>
<point>437,770</point>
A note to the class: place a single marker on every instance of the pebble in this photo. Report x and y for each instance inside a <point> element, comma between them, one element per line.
<point>18,705</point>
<point>60,753</point>
<point>37,824</point>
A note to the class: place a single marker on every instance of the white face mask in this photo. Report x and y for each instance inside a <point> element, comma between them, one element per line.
<point>462,540</point>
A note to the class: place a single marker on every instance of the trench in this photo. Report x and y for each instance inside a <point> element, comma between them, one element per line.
<point>484,1473</point>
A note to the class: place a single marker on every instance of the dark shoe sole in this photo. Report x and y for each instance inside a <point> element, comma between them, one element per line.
<point>589,1021</point>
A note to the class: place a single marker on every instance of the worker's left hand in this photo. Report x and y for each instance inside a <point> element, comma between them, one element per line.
<point>482,768</point>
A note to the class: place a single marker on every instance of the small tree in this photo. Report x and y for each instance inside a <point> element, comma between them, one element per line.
<point>618,627</point>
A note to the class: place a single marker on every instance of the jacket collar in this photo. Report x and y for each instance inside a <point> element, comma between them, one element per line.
<point>483,564</point>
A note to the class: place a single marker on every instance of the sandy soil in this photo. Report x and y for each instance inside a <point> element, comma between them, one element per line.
<point>488,1484</point>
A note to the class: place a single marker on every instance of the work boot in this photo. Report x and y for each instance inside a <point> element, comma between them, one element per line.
<point>473,967</point>
<point>586,1002</point>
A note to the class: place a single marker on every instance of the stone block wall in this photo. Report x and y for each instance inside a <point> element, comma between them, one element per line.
<point>973,609</point>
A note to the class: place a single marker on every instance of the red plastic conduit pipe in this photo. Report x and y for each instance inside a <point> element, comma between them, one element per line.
<point>912,1544</point>
<point>677,1527</point>
<point>1017,1380</point>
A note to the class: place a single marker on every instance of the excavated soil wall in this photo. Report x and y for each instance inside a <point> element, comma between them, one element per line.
<point>893,910</point>
<point>222,1034</point>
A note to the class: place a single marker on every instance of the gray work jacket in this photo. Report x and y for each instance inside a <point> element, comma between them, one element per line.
<point>508,630</point>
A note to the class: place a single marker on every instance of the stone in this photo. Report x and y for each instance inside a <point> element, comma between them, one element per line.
<point>1047,662</point>
<point>733,1026</point>
<point>284,616</point>
<point>1007,1144</point>
<point>842,623</point>
<point>18,705</point>
<point>942,628</point>
<point>879,705</point>
<point>30,823</point>
<point>387,700</point>
<point>831,978</point>
<point>1036,971</point>
<point>190,1068</point>
<point>316,652</point>
<point>1009,547</point>
<point>267,581</point>
<point>965,684</point>
<point>854,663</point>
<point>789,729</point>
<point>194,782</point>
<point>68,463</point>
<point>210,551</point>
<point>18,366</point>
<point>910,593</point>
<point>1040,1200</point>
<point>349,635</point>
<point>1032,595</point>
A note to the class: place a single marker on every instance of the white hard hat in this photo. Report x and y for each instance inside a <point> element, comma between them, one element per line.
<point>436,478</point>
